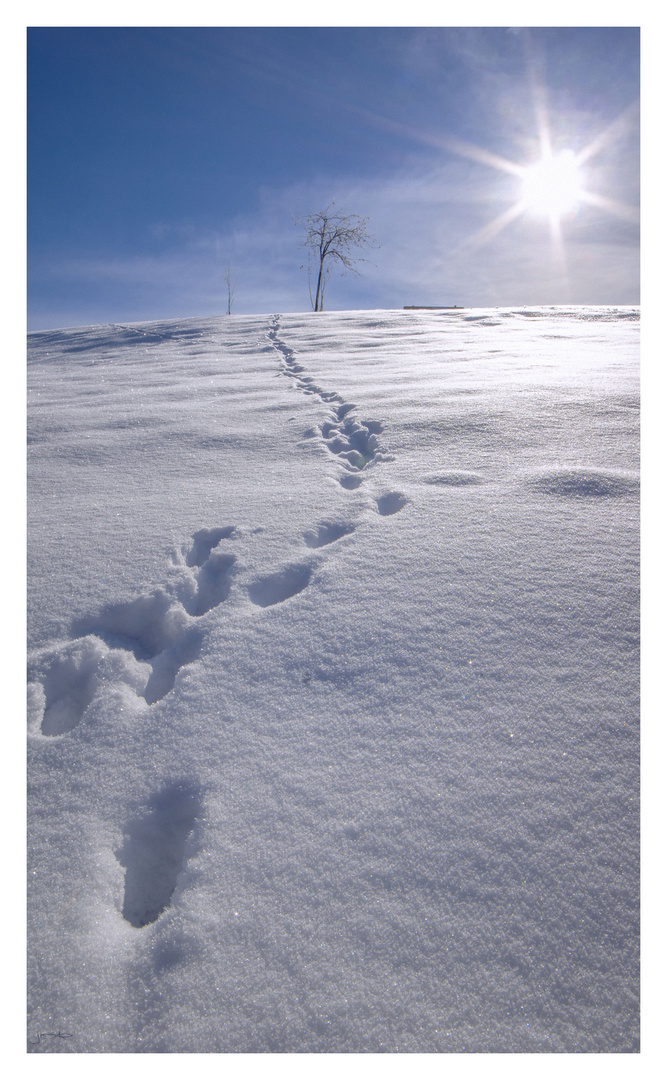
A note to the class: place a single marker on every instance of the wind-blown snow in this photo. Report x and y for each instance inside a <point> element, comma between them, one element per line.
<point>333,689</point>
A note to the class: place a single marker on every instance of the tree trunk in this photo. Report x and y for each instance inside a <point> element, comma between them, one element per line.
<point>319,295</point>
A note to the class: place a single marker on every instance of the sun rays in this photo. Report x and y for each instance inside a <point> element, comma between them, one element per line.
<point>553,186</point>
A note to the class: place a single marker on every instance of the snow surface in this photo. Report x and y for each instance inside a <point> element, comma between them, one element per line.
<point>333,690</point>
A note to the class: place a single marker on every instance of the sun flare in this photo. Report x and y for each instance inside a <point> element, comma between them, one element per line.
<point>554,186</point>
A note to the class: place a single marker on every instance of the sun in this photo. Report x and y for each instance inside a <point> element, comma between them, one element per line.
<point>553,186</point>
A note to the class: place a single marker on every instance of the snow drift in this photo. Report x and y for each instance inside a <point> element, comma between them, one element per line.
<point>333,688</point>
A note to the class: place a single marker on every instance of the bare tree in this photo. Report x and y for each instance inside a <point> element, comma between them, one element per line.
<point>330,236</point>
<point>231,287</point>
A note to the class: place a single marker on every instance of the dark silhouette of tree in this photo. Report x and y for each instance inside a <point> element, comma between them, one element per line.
<point>331,236</point>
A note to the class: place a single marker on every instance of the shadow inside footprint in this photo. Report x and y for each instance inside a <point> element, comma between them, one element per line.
<point>154,851</point>
<point>391,503</point>
<point>166,666</point>
<point>273,589</point>
<point>350,482</point>
<point>214,582</point>
<point>153,629</point>
<point>145,626</point>
<point>353,440</point>
<point>203,543</point>
<point>70,684</point>
<point>327,533</point>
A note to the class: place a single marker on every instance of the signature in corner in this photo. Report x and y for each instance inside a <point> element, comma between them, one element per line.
<point>52,1035</point>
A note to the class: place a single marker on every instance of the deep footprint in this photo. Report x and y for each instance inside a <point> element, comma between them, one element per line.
<point>355,441</point>
<point>145,626</point>
<point>275,588</point>
<point>154,629</point>
<point>214,582</point>
<point>70,684</point>
<point>154,851</point>
<point>327,533</point>
<point>204,541</point>
<point>391,503</point>
<point>166,666</point>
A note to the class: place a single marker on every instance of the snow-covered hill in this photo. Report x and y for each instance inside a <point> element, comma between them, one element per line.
<point>333,722</point>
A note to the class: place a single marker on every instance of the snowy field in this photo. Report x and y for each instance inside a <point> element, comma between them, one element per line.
<point>333,702</point>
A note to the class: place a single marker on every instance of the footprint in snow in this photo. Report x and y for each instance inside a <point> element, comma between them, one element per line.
<point>156,630</point>
<point>355,442</point>
<point>64,681</point>
<point>145,626</point>
<point>350,481</point>
<point>204,541</point>
<point>143,642</point>
<point>282,585</point>
<point>155,850</point>
<point>146,641</point>
<point>327,533</point>
<point>212,579</point>
<point>166,666</point>
<point>212,584</point>
<point>391,502</point>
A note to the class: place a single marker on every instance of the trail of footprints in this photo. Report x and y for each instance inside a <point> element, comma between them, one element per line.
<point>143,644</point>
<point>353,442</point>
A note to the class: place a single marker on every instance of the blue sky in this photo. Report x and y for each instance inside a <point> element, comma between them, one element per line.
<point>158,155</point>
